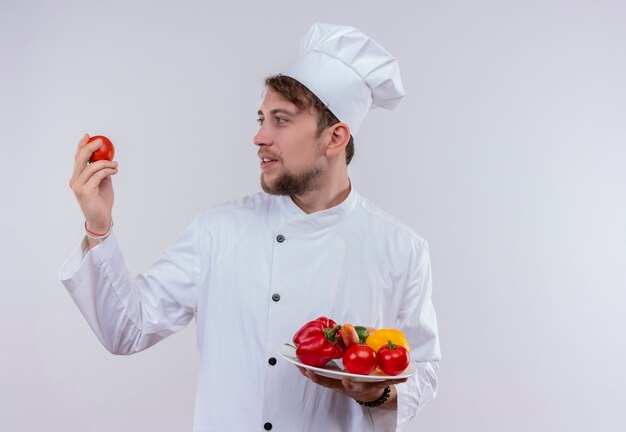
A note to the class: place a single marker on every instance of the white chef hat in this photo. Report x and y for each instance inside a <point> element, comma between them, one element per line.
<point>348,71</point>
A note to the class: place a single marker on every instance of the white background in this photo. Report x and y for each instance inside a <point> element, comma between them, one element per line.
<point>507,155</point>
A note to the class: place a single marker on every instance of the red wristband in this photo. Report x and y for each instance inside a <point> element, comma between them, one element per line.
<point>97,236</point>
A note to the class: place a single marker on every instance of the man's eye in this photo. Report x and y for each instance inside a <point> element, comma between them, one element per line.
<point>259,121</point>
<point>280,120</point>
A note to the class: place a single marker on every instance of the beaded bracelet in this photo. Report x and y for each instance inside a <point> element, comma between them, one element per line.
<point>381,400</point>
<point>95,236</point>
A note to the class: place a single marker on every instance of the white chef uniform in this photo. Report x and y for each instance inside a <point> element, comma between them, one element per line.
<point>251,272</point>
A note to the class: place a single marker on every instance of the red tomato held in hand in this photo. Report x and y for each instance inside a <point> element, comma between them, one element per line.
<point>393,359</point>
<point>106,150</point>
<point>360,359</point>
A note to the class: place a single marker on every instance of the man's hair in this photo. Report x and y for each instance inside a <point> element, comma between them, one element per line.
<point>296,93</point>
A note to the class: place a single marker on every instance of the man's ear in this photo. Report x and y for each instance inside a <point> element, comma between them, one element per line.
<point>339,138</point>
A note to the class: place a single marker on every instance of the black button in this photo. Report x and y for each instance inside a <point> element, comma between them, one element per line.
<point>267,426</point>
<point>280,238</point>
<point>275,297</point>
<point>272,361</point>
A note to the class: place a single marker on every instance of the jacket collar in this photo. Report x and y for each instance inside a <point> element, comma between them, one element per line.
<point>295,217</point>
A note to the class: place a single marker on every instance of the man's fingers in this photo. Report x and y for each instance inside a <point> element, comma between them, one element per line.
<point>348,386</point>
<point>394,381</point>
<point>321,380</point>
<point>312,376</point>
<point>77,155</point>
<point>93,168</point>
<point>79,180</point>
<point>84,154</point>
<point>83,140</point>
<point>91,177</point>
<point>95,179</point>
<point>358,386</point>
<point>78,167</point>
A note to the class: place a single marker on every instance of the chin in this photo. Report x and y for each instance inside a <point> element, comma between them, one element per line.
<point>289,184</point>
<point>267,186</point>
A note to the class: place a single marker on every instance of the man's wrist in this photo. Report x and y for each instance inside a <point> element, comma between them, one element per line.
<point>377,402</point>
<point>95,238</point>
<point>392,401</point>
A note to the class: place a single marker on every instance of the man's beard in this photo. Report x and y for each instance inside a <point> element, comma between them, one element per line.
<point>290,184</point>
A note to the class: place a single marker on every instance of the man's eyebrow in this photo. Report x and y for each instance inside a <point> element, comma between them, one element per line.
<point>278,111</point>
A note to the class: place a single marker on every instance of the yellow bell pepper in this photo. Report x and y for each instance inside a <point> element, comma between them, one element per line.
<point>383,336</point>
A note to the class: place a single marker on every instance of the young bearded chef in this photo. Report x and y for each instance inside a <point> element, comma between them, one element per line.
<point>257,268</point>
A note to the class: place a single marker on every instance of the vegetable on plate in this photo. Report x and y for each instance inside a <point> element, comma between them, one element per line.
<point>360,359</point>
<point>318,342</point>
<point>393,359</point>
<point>383,336</point>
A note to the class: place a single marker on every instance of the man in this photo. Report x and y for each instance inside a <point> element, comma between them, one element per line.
<point>252,271</point>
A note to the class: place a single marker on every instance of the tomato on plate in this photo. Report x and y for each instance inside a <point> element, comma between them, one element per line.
<point>360,359</point>
<point>393,359</point>
<point>106,150</point>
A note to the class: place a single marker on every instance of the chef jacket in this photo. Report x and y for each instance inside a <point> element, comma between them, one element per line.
<point>252,272</point>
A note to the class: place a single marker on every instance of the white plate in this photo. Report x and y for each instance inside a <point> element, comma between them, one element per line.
<point>334,369</point>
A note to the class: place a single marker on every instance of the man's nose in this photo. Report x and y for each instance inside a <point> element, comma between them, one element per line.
<point>262,137</point>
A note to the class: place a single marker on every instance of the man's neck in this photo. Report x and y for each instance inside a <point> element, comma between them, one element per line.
<point>324,197</point>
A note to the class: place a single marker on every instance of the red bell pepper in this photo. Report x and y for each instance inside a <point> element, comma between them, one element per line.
<point>318,342</point>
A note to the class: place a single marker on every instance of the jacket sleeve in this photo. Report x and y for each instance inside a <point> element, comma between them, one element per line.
<point>130,314</point>
<point>418,320</point>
